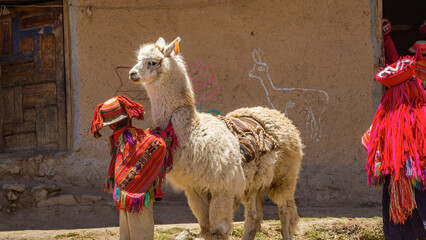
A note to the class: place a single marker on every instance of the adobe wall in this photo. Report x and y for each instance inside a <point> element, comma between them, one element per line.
<point>319,55</point>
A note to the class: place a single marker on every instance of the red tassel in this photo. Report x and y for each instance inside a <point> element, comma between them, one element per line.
<point>97,122</point>
<point>128,204</point>
<point>402,201</point>
<point>158,192</point>
<point>133,109</point>
<point>399,128</point>
<point>398,133</point>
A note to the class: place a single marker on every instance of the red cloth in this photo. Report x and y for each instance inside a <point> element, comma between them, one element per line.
<point>391,55</point>
<point>137,160</point>
<point>397,147</point>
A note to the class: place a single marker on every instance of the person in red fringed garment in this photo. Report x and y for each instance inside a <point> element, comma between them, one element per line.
<point>396,146</point>
<point>391,55</point>
<point>139,162</point>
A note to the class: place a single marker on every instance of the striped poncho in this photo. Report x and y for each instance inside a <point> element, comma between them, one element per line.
<point>139,161</point>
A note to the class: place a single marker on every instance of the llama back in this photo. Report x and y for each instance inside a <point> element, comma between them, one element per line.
<point>276,125</point>
<point>277,171</point>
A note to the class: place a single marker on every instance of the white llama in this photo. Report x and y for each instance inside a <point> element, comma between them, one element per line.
<point>208,163</point>
<point>299,104</point>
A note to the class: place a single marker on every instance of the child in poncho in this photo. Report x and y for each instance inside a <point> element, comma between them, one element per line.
<point>396,146</point>
<point>139,161</point>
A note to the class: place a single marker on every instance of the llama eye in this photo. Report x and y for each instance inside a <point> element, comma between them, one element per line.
<point>152,63</point>
<point>261,69</point>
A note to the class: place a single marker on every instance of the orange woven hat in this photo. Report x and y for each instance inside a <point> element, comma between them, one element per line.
<point>398,72</point>
<point>114,110</point>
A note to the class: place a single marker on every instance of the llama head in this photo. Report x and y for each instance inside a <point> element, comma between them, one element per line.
<point>152,61</point>
<point>260,68</point>
<point>163,73</point>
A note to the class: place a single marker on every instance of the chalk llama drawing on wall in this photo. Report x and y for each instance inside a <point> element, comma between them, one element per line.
<point>204,83</point>
<point>300,105</point>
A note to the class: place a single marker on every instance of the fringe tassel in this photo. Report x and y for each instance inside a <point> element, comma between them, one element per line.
<point>176,48</point>
<point>133,109</point>
<point>402,201</point>
<point>158,192</point>
<point>109,185</point>
<point>97,122</point>
<point>133,202</point>
<point>398,133</point>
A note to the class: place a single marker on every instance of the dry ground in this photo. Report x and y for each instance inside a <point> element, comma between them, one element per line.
<point>309,229</point>
<point>172,216</point>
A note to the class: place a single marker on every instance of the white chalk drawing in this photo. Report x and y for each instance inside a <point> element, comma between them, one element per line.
<point>204,83</point>
<point>298,104</point>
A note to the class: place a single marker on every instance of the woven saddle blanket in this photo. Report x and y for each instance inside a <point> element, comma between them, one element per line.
<point>254,140</point>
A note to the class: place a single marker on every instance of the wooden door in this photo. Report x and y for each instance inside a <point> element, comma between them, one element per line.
<point>32,103</point>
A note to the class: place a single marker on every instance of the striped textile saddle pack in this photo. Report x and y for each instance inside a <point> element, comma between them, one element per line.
<point>254,140</point>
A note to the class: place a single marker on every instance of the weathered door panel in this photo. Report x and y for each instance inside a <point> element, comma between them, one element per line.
<point>32,88</point>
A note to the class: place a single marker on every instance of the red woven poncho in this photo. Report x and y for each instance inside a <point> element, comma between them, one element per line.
<point>139,161</point>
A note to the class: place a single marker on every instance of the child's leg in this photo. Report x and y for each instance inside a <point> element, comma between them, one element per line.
<point>138,226</point>
<point>124,226</point>
<point>141,224</point>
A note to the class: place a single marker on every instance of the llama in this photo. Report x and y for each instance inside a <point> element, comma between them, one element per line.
<point>208,164</point>
<point>301,104</point>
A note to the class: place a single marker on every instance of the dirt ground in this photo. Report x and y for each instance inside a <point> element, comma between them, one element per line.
<point>315,228</point>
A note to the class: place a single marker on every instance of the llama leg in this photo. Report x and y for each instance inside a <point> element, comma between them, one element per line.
<point>237,202</point>
<point>282,194</point>
<point>221,215</point>
<point>289,218</point>
<point>199,204</point>
<point>253,214</point>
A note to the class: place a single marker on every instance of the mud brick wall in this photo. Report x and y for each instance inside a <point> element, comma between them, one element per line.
<point>312,60</point>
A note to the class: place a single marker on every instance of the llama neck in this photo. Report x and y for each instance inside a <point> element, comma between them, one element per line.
<point>160,110</point>
<point>169,94</point>
<point>164,111</point>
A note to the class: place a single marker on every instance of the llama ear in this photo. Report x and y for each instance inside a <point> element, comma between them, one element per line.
<point>174,45</point>
<point>160,42</point>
